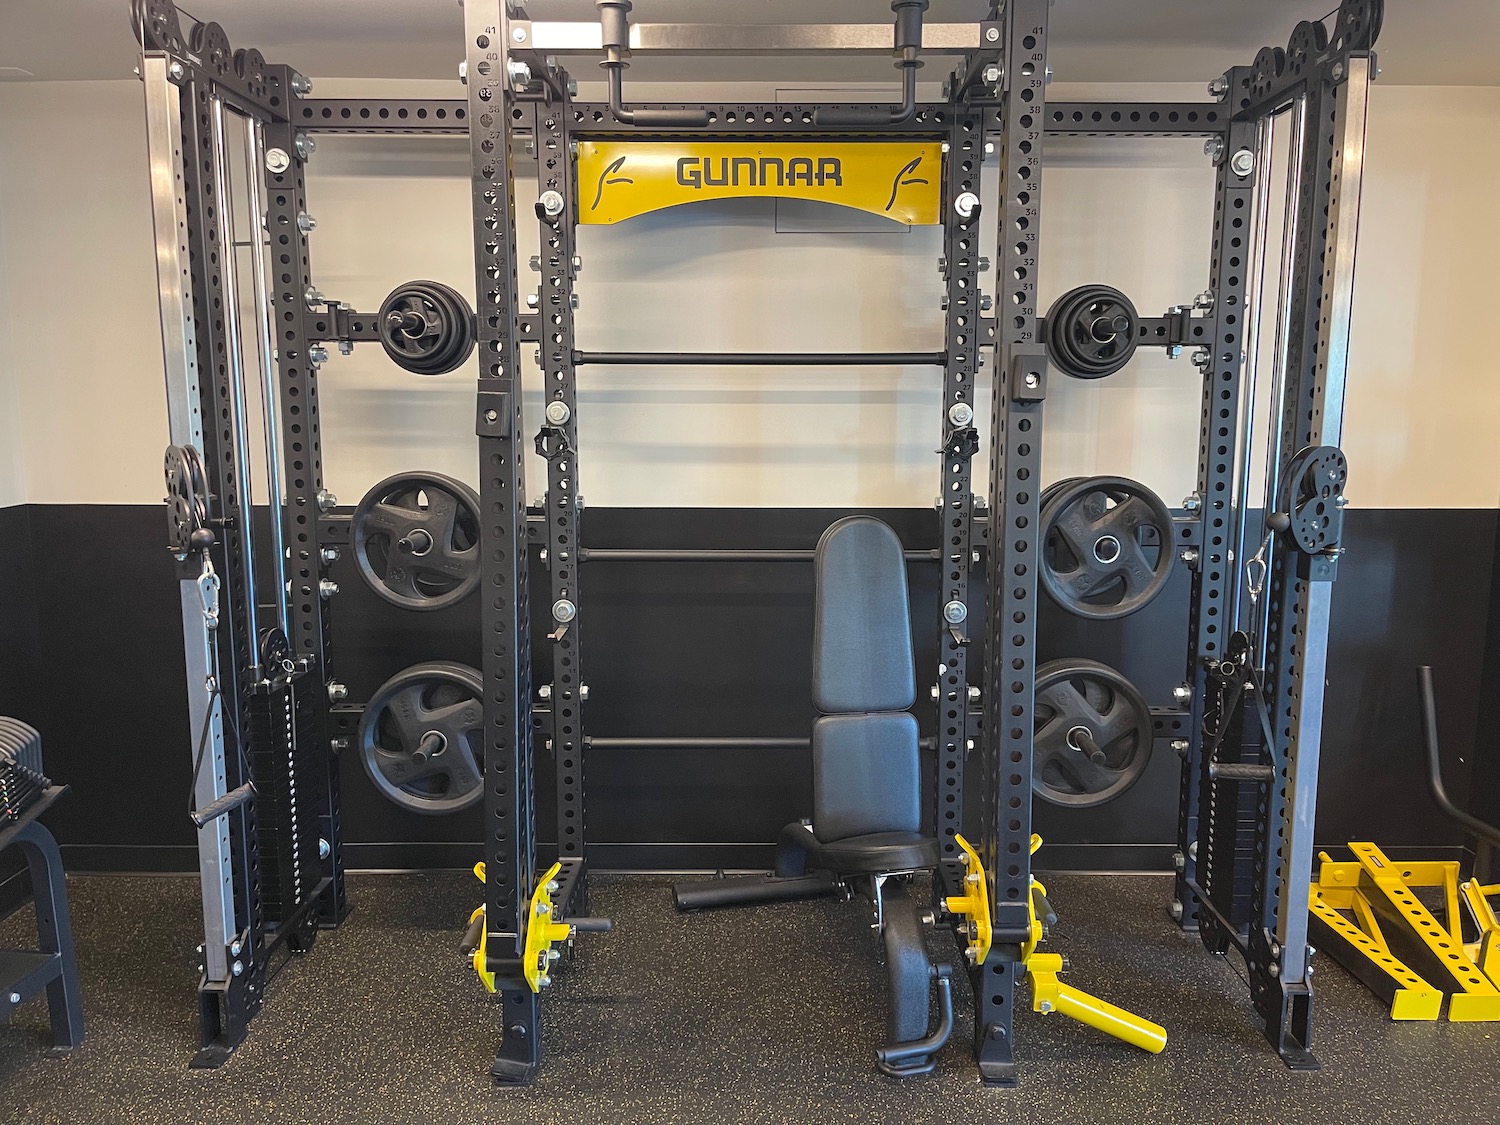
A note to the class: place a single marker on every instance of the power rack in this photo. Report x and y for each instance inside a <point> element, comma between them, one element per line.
<point>1248,717</point>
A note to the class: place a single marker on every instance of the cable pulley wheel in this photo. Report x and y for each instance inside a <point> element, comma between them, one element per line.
<point>426,327</point>
<point>1314,497</point>
<point>1107,547</point>
<point>416,540</point>
<point>1092,331</point>
<point>1093,734</point>
<point>421,738</point>
<point>187,500</point>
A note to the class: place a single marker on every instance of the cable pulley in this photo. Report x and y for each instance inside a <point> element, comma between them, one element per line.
<point>420,738</point>
<point>426,327</point>
<point>1092,331</point>
<point>187,501</point>
<point>1093,734</point>
<point>416,540</point>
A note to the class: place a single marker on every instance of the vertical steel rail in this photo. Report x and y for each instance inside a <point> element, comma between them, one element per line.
<point>315,768</point>
<point>234,355</point>
<point>265,345</point>
<point>1326,396</point>
<point>559,267</point>
<point>1207,816</point>
<point>1019,388</point>
<point>509,802</point>
<point>955,501</point>
<point>185,423</point>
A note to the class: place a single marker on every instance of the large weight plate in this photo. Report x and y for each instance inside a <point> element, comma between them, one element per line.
<point>1093,734</point>
<point>416,540</point>
<point>1107,546</point>
<point>420,738</point>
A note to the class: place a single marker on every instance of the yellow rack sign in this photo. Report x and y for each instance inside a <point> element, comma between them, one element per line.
<point>901,180</point>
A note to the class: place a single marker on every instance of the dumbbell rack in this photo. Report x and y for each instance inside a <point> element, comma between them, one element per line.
<point>1246,850</point>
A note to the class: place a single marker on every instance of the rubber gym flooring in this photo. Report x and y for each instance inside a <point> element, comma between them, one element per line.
<point>764,1014</point>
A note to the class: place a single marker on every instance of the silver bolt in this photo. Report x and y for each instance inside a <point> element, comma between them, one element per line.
<point>572,87</point>
<point>1193,850</point>
<point>1218,87</point>
<point>563,611</point>
<point>955,612</point>
<point>1031,380</point>
<point>306,223</point>
<point>960,414</point>
<point>1182,694</point>
<point>1046,1006</point>
<point>1273,969</point>
<point>491,415</point>
<point>519,74</point>
<point>1202,359</point>
<point>234,950</point>
<point>552,203</point>
<point>583,691</point>
<point>327,501</point>
<point>277,160</point>
<point>1242,163</point>
<point>327,587</point>
<point>973,694</point>
<point>301,85</point>
<point>314,296</point>
<point>325,849</point>
<point>15,997</point>
<point>305,146</point>
<point>1213,148</point>
<point>533,300</point>
<point>1047,75</point>
<point>337,692</point>
<point>346,347</point>
<point>1192,502</point>
<point>1176,911</point>
<point>1179,746</point>
<point>238,967</point>
<point>1337,71</point>
<point>1204,300</point>
<point>984,264</point>
<point>535,262</point>
<point>558,412</point>
<point>577,264</point>
<point>966,204</point>
<point>992,74</point>
<point>176,71</point>
<point>992,35</point>
<point>985,301</point>
<point>317,355</point>
<point>544,691</point>
<point>936,694</point>
<point>518,33</point>
<point>338,745</point>
<point>1189,555</point>
<point>554,956</point>
<point>1179,861</point>
<point>572,300</point>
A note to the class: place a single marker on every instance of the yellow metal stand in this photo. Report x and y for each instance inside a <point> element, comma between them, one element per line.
<point>1048,994</point>
<point>1367,916</point>
<point>542,933</point>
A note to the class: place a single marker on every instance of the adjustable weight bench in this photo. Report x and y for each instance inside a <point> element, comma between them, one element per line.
<point>867,786</point>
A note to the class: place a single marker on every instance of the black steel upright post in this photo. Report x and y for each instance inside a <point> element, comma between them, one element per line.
<point>558,265</point>
<point>509,798</point>
<point>1019,388</point>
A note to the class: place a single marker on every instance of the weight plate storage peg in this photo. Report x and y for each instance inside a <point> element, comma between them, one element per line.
<point>416,540</point>
<point>1093,733</point>
<point>420,738</point>
<point>1092,331</point>
<point>1107,546</point>
<point>427,327</point>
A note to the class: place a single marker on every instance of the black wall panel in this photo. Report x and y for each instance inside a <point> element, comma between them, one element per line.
<point>714,649</point>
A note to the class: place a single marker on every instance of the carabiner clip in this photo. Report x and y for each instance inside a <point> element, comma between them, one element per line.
<point>208,591</point>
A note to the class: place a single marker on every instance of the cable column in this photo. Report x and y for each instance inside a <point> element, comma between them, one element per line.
<point>509,801</point>
<point>1019,388</point>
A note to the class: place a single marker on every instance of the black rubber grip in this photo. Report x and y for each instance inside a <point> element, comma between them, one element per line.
<point>1240,771</point>
<point>591,925</point>
<point>840,116</point>
<point>670,118</point>
<point>225,804</point>
<point>472,936</point>
<point>1044,910</point>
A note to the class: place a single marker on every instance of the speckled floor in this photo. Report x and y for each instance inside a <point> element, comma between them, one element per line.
<point>762,1015</point>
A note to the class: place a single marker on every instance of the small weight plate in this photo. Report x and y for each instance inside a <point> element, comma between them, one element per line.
<point>1093,734</point>
<point>420,738</point>
<point>416,540</point>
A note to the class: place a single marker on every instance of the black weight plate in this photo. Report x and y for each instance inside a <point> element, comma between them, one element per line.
<point>416,537</point>
<point>420,738</point>
<point>1051,490</point>
<point>465,333</point>
<point>1077,697</point>
<point>426,327</point>
<point>1107,547</point>
<point>1092,331</point>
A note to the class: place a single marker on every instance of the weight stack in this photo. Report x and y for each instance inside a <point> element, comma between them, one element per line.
<point>21,777</point>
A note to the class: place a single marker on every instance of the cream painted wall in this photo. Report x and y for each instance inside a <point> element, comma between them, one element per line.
<point>88,414</point>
